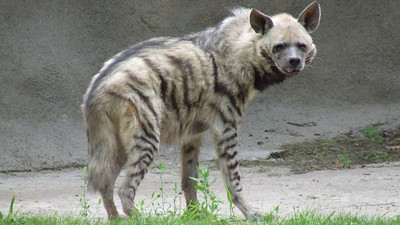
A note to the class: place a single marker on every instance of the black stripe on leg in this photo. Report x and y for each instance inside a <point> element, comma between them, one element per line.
<point>233,166</point>
<point>147,163</point>
<point>236,176</point>
<point>148,133</point>
<point>228,156</point>
<point>139,173</point>
<point>226,130</point>
<point>227,139</point>
<point>148,142</point>
<point>230,128</point>
<point>143,149</point>
<point>226,148</point>
<point>142,160</point>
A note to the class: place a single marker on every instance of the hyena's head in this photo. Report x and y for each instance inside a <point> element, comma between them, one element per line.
<point>286,41</point>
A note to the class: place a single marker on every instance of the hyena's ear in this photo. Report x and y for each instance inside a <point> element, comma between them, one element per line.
<point>310,17</point>
<point>260,22</point>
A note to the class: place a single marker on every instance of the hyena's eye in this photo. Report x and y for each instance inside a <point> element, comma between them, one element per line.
<point>279,47</point>
<point>302,46</point>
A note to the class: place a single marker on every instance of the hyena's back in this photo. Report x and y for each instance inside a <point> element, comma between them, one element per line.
<point>154,91</point>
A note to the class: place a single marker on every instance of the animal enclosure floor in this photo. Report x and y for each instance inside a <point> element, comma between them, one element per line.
<point>370,190</point>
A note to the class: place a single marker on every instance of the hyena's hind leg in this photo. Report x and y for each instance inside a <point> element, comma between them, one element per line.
<point>139,160</point>
<point>107,195</point>
<point>190,162</point>
<point>146,144</point>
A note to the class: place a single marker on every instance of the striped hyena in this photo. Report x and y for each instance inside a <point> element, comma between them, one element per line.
<point>173,90</point>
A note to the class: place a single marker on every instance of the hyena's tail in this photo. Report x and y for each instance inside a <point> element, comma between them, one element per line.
<point>104,151</point>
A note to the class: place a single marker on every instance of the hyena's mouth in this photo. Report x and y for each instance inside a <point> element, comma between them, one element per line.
<point>285,72</point>
<point>289,71</point>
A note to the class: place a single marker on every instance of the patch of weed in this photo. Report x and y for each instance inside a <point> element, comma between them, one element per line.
<point>343,151</point>
<point>372,133</point>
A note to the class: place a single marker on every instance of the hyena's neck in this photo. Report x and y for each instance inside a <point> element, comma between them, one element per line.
<point>264,78</point>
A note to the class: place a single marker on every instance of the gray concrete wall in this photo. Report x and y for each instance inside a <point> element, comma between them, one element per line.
<point>49,50</point>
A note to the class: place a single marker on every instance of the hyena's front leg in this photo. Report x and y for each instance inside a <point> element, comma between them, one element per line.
<point>225,140</point>
<point>190,163</point>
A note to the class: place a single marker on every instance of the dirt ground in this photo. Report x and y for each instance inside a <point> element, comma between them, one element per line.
<point>304,176</point>
<point>370,190</point>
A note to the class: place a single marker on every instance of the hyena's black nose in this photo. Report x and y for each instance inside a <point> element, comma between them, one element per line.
<point>294,61</point>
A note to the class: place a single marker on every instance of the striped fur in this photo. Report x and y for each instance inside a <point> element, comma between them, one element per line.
<point>174,90</point>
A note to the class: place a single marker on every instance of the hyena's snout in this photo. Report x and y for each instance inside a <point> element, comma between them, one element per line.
<point>295,62</point>
<point>290,60</point>
<point>292,65</point>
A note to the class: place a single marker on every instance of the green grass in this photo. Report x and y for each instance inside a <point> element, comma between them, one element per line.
<point>306,217</point>
<point>195,217</point>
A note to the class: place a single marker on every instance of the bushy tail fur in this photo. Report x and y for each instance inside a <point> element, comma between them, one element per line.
<point>104,151</point>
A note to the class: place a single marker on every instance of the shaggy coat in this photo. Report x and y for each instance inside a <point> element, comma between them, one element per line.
<point>173,90</point>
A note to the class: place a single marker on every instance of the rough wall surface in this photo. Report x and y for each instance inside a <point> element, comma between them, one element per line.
<point>49,50</point>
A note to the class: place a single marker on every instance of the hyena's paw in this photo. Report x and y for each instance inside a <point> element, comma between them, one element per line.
<point>254,215</point>
<point>129,209</point>
<point>127,202</point>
